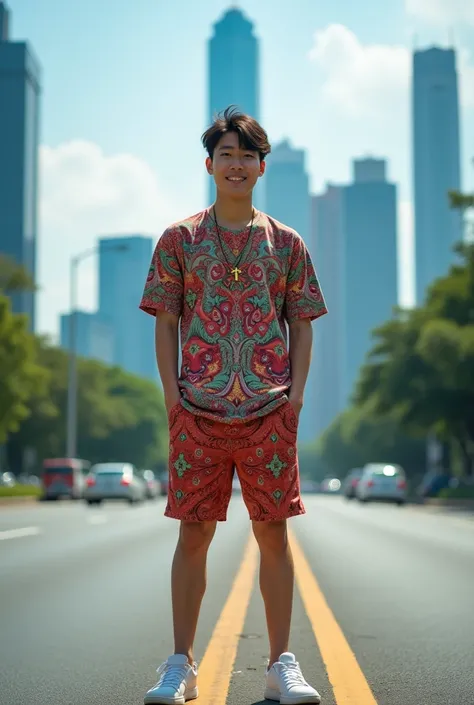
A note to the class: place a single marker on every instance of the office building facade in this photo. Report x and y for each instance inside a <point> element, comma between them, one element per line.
<point>369,285</point>
<point>328,346</point>
<point>94,336</point>
<point>436,163</point>
<point>286,182</point>
<point>234,73</point>
<point>288,200</point>
<point>20,90</point>
<point>123,267</point>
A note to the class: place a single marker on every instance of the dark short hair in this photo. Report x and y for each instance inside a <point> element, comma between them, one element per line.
<point>251,134</point>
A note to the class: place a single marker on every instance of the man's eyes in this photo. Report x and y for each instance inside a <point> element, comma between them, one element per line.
<point>227,154</point>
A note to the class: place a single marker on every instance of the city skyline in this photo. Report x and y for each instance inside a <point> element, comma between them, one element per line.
<point>109,170</point>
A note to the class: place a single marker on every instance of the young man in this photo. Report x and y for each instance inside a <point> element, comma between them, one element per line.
<point>231,280</point>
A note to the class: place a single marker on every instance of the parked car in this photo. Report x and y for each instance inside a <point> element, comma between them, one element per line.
<point>25,479</point>
<point>382,482</point>
<point>349,486</point>
<point>118,481</point>
<point>64,477</point>
<point>164,483</point>
<point>152,485</point>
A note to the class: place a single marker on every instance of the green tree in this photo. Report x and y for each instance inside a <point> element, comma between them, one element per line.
<point>421,368</point>
<point>20,375</point>
<point>135,426</point>
<point>13,277</point>
<point>357,437</point>
<point>120,416</point>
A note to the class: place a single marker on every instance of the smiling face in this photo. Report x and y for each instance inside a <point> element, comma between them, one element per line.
<point>235,169</point>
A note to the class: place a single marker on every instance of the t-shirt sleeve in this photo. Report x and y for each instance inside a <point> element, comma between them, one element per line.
<point>303,298</point>
<point>164,284</point>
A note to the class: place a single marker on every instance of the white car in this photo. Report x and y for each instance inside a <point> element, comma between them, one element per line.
<point>382,482</point>
<point>114,481</point>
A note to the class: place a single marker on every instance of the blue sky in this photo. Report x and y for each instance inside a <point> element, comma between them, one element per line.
<point>124,105</point>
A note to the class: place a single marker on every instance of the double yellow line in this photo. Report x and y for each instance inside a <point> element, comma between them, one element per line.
<point>348,682</point>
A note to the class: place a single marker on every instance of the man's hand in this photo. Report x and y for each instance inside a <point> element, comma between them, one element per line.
<point>301,337</point>
<point>171,400</point>
<point>297,404</point>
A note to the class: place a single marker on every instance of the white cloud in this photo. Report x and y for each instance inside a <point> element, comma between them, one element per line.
<point>85,194</point>
<point>365,100</point>
<point>441,12</point>
<point>362,80</point>
<point>373,80</point>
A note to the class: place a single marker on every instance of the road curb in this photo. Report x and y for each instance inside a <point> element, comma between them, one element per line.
<point>14,501</point>
<point>451,503</point>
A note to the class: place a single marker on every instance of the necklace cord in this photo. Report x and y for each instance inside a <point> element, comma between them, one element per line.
<point>219,237</point>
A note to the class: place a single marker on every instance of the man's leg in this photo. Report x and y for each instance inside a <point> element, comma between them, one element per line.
<point>188,579</point>
<point>276,582</point>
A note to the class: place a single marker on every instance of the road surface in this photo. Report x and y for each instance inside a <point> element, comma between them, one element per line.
<point>383,612</point>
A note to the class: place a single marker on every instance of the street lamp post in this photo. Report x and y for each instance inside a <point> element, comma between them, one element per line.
<point>71,431</point>
<point>71,428</point>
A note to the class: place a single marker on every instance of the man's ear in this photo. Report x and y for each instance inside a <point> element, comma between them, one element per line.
<point>263,166</point>
<point>209,165</point>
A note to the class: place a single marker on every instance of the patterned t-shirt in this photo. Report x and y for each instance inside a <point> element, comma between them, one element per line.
<point>235,361</point>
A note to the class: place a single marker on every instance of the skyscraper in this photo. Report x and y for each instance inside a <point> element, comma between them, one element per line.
<point>328,357</point>
<point>286,183</point>
<point>19,134</point>
<point>436,163</point>
<point>369,263</point>
<point>288,200</point>
<point>123,268</point>
<point>94,336</point>
<point>234,73</point>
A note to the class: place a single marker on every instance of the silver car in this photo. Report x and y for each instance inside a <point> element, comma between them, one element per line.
<point>382,482</point>
<point>114,481</point>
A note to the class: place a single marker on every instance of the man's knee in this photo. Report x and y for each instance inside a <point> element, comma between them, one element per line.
<point>196,535</point>
<point>271,535</point>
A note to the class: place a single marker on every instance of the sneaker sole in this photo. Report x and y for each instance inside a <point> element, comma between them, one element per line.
<point>157,700</point>
<point>287,700</point>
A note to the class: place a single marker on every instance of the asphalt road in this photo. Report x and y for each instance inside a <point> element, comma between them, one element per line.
<point>85,606</point>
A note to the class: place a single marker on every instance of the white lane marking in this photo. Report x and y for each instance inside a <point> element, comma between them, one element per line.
<point>97,520</point>
<point>19,533</point>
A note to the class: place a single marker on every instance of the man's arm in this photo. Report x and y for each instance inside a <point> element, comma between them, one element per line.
<point>167,355</point>
<point>301,341</point>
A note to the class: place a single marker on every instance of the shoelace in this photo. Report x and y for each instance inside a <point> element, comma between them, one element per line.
<point>171,675</point>
<point>291,674</point>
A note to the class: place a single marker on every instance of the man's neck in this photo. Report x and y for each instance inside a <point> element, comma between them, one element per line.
<point>233,213</point>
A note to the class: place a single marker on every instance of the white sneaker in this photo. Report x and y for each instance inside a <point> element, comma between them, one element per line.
<point>286,684</point>
<point>177,682</point>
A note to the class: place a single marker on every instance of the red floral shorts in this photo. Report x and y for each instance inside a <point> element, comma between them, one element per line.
<point>204,454</point>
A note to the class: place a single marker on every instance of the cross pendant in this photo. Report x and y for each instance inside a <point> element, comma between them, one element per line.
<point>236,271</point>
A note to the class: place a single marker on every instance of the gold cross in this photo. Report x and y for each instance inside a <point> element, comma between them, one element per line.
<point>236,273</point>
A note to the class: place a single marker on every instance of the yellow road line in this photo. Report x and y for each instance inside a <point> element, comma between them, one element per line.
<point>216,667</point>
<point>345,675</point>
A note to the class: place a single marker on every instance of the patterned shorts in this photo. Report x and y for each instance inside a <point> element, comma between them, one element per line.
<point>203,457</point>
